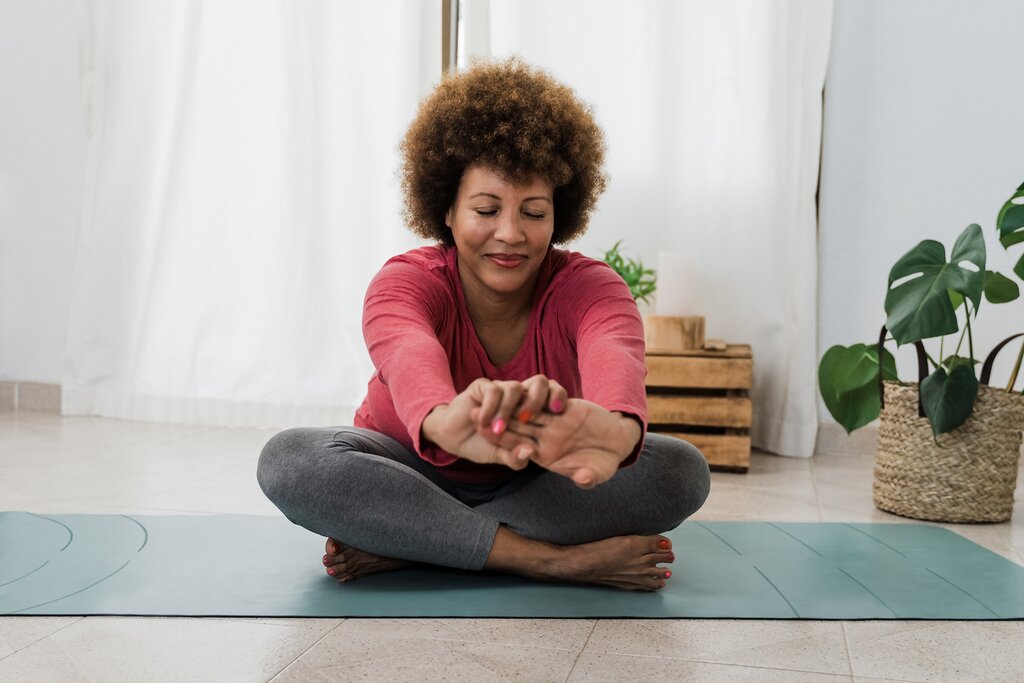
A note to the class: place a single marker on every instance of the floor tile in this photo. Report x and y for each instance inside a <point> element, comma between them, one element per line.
<point>927,651</point>
<point>816,646</point>
<point>20,632</point>
<point>595,666</point>
<point>423,650</point>
<point>157,649</point>
<point>777,504</point>
<point>232,491</point>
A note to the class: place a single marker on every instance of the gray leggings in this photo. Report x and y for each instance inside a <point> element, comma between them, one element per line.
<point>370,492</point>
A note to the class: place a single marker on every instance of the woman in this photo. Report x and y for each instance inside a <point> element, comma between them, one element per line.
<point>504,428</point>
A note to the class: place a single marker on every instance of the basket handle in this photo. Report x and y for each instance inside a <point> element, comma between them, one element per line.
<point>986,369</point>
<point>922,370</point>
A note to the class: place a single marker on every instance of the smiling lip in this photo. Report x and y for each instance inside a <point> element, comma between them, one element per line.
<point>506,260</point>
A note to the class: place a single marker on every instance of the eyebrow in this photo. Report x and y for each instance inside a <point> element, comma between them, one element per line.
<point>494,196</point>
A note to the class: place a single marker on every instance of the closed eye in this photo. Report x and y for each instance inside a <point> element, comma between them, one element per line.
<point>534,216</point>
<point>486,212</point>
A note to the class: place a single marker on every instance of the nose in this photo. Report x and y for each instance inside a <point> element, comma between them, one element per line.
<point>509,229</point>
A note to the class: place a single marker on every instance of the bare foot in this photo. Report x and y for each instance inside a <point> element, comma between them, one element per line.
<point>345,563</point>
<point>624,562</point>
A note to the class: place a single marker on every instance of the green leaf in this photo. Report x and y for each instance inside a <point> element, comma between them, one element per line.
<point>848,381</point>
<point>955,298</point>
<point>949,399</point>
<point>641,281</point>
<point>1000,289</point>
<point>950,362</point>
<point>1010,224</point>
<point>1010,221</point>
<point>920,308</point>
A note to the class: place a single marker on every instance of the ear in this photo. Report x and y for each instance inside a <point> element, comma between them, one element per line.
<point>448,217</point>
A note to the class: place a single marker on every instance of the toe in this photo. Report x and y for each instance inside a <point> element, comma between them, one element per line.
<point>662,544</point>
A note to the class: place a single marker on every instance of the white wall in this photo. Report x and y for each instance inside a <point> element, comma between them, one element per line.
<point>42,148</point>
<point>923,136</point>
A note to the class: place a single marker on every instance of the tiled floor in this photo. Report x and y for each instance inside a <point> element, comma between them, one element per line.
<point>54,464</point>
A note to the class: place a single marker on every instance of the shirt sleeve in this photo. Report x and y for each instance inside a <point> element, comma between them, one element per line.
<point>610,345</point>
<point>404,308</point>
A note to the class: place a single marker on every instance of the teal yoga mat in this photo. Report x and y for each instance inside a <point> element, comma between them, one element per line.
<point>238,565</point>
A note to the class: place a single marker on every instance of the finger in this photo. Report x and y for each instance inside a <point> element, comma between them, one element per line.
<point>511,392</point>
<point>490,399</point>
<point>585,478</point>
<point>508,458</point>
<point>593,469</point>
<point>508,439</point>
<point>523,453</point>
<point>535,398</point>
<point>558,397</point>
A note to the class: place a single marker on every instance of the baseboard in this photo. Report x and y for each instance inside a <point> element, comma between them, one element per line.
<point>833,440</point>
<point>29,396</point>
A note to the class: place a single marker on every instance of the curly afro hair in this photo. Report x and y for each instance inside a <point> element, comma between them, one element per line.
<point>514,119</point>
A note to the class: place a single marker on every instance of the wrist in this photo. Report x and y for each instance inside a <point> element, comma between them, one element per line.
<point>430,427</point>
<point>631,432</point>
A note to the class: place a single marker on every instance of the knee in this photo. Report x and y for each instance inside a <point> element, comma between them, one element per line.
<point>278,464</point>
<point>684,480</point>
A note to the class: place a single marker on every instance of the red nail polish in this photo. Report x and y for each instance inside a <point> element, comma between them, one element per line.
<point>668,574</point>
<point>664,545</point>
<point>525,416</point>
<point>498,426</point>
<point>325,561</point>
<point>671,557</point>
<point>331,572</point>
<point>557,405</point>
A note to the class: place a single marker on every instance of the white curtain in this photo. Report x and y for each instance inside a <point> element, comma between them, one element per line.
<point>241,190</point>
<point>712,111</point>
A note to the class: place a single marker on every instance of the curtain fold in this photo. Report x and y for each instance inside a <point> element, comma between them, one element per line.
<point>713,116</point>
<point>241,190</point>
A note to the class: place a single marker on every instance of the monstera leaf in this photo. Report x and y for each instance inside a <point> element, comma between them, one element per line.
<point>848,381</point>
<point>1000,289</point>
<point>920,308</point>
<point>1010,224</point>
<point>948,399</point>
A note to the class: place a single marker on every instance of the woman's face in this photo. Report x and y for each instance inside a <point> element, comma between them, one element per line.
<point>502,229</point>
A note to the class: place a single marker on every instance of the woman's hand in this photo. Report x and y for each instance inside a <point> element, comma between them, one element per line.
<point>462,429</point>
<point>585,443</point>
<point>502,402</point>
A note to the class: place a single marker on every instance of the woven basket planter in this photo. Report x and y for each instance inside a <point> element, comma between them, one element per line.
<point>968,477</point>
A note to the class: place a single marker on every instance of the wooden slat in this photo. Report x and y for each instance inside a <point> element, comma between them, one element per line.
<point>731,351</point>
<point>721,451</point>
<point>699,373</point>
<point>708,411</point>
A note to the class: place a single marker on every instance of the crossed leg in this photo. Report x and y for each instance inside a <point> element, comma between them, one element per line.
<point>383,509</point>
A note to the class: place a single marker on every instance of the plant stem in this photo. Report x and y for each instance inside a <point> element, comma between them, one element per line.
<point>962,333</point>
<point>970,337</point>
<point>1016,369</point>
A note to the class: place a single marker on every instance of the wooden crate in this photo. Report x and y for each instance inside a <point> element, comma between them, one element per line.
<point>704,397</point>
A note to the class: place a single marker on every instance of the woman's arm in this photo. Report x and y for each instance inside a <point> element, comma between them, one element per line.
<point>405,306</point>
<point>610,349</point>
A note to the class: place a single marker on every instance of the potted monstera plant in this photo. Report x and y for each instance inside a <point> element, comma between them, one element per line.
<point>945,441</point>
<point>925,292</point>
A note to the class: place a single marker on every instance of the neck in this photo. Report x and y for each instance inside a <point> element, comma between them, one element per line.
<point>488,307</point>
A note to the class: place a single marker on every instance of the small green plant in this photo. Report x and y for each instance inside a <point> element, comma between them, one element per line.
<point>642,281</point>
<point>924,294</point>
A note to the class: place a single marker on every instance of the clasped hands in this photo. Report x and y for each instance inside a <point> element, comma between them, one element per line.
<point>513,423</point>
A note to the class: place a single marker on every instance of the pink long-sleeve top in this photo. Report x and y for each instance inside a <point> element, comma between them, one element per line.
<point>584,331</point>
